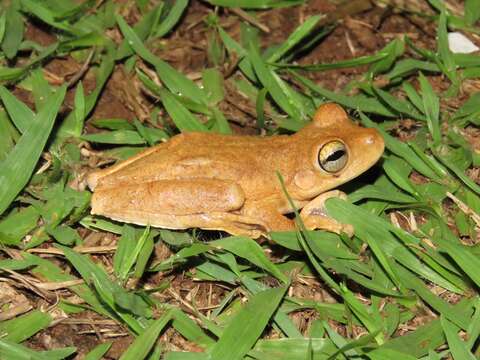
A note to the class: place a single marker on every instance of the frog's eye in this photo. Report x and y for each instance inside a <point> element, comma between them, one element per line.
<point>333,156</point>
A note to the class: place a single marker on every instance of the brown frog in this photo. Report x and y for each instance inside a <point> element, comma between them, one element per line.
<point>230,183</point>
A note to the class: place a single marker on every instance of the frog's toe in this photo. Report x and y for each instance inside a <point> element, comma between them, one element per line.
<point>348,229</point>
<point>318,220</point>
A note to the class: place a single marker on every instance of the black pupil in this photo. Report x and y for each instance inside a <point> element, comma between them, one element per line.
<point>336,155</point>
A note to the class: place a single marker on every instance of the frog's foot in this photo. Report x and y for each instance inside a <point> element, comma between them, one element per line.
<point>270,217</point>
<point>314,215</point>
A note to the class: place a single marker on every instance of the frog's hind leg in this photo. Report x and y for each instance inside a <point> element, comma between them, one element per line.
<point>95,176</point>
<point>206,203</point>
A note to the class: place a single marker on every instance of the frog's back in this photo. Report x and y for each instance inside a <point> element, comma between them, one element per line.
<point>247,160</point>
<point>251,161</point>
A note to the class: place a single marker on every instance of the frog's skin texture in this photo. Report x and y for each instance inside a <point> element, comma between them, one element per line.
<point>230,183</point>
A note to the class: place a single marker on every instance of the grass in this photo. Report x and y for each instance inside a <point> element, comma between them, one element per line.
<point>421,276</point>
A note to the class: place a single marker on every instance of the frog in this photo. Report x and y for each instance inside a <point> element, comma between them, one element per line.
<point>245,185</point>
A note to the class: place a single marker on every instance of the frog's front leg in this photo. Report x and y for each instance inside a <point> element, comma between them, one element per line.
<point>314,215</point>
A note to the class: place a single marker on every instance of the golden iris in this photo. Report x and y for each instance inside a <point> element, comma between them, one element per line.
<point>333,156</point>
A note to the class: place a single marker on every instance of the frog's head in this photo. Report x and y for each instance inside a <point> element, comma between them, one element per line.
<point>337,150</point>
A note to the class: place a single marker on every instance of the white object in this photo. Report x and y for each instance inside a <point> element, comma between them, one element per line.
<point>460,44</point>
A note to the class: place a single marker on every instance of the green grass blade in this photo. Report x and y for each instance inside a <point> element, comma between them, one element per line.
<point>182,355</point>
<point>292,349</point>
<point>403,107</point>
<point>17,224</point>
<point>402,150</point>
<point>143,28</point>
<point>98,352</point>
<point>221,123</point>
<point>393,50</point>
<point>472,11</point>
<point>362,314</point>
<point>473,329</point>
<point>275,86</point>
<point>80,110</point>
<point>175,81</point>
<point>398,171</point>
<point>458,172</point>
<point>431,106</point>
<point>294,38</point>
<point>16,169</point>
<point>405,67</point>
<point>242,333</point>
<point>379,231</point>
<point>68,126</point>
<point>125,246</point>
<point>376,192</point>
<point>180,257</point>
<point>22,327</point>
<point>303,238</point>
<point>358,61</point>
<point>213,84</point>
<point>183,119</point>
<point>444,51</point>
<point>256,4</point>
<point>260,106</point>
<point>338,340</point>
<point>8,135</point>
<point>3,23</point>
<point>123,137</point>
<point>70,12</point>
<point>144,255</point>
<point>362,341</point>
<point>461,254</point>
<point>12,351</point>
<point>172,18</point>
<point>440,305</point>
<point>112,124</point>
<point>121,302</point>
<point>93,39</point>
<point>238,51</point>
<point>387,354</point>
<point>413,96</point>
<point>469,107</point>
<point>344,262</point>
<point>47,270</point>
<point>13,30</point>
<point>356,102</point>
<point>458,348</point>
<point>20,113</point>
<point>420,341</point>
<point>251,251</point>
<point>46,15</point>
<point>189,329</point>
<point>41,89</point>
<point>10,74</point>
<point>147,339</point>
<point>131,257</point>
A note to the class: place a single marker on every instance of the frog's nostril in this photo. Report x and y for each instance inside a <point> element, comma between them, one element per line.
<point>369,140</point>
